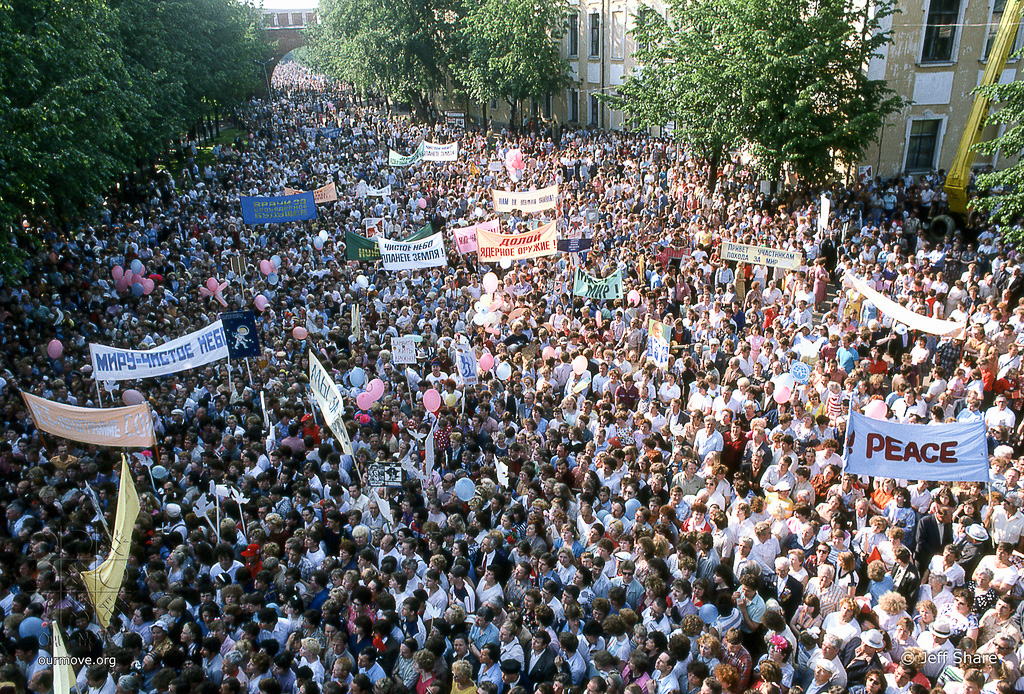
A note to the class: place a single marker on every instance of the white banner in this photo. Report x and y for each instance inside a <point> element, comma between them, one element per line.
<point>902,314</point>
<point>405,255</point>
<point>195,349</point>
<point>326,392</point>
<point>384,192</point>
<point>433,152</point>
<point>403,350</point>
<point>825,209</point>
<point>467,365</point>
<point>761,255</point>
<point>530,201</point>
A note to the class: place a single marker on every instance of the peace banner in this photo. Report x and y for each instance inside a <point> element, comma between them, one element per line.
<point>593,288</point>
<point>396,159</point>
<point>574,245</point>
<point>412,255</point>
<point>241,334</point>
<point>942,452</point>
<point>465,238</point>
<point>403,350</point>
<point>359,248</point>
<point>104,582</point>
<point>131,427</point>
<point>761,255</point>
<point>195,349</point>
<point>432,152</point>
<point>530,201</point>
<point>327,193</point>
<point>493,247</point>
<point>282,208</point>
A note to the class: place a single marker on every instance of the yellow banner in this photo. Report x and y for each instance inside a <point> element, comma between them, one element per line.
<point>104,582</point>
<point>63,674</point>
<point>129,427</point>
<point>493,247</point>
<point>327,193</point>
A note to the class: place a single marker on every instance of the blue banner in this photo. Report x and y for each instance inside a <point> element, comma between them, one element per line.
<point>574,245</point>
<point>283,208</point>
<point>241,334</point>
<point>940,452</point>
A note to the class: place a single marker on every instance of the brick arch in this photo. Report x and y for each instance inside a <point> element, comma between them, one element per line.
<point>283,39</point>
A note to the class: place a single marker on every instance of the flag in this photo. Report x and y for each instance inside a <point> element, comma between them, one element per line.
<point>104,582</point>
<point>474,169</point>
<point>63,673</point>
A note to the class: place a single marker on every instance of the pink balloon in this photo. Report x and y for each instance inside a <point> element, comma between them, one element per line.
<point>266,267</point>
<point>261,302</point>
<point>548,352</point>
<point>212,284</point>
<point>54,349</point>
<point>486,362</point>
<point>299,333</point>
<point>137,278</point>
<point>432,400</point>
<point>490,282</point>
<point>364,400</point>
<point>132,397</point>
<point>633,296</point>
<point>782,395</point>
<point>376,388</point>
<point>117,273</point>
<point>422,203</point>
<point>123,284</point>
<point>876,409</point>
<point>148,286</point>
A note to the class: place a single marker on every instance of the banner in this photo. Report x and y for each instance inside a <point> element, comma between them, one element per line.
<point>373,226</point>
<point>325,390</point>
<point>492,247</point>
<point>359,248</point>
<point>824,210</point>
<point>591,287</point>
<point>941,452</point>
<point>659,338</point>
<point>466,363</point>
<point>396,159</point>
<point>432,152</point>
<point>455,119</point>
<point>195,349</point>
<point>574,245</point>
<point>131,427</point>
<point>411,255</point>
<point>241,334</point>
<point>424,233</point>
<point>403,350</point>
<point>356,322</point>
<point>282,208</point>
<point>465,238</point>
<point>902,314</point>
<point>384,192</point>
<point>669,254</point>
<point>63,674</point>
<point>530,201</point>
<point>761,255</point>
<point>104,582</point>
<point>327,193</point>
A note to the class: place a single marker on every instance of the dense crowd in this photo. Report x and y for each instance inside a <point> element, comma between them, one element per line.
<point>612,529</point>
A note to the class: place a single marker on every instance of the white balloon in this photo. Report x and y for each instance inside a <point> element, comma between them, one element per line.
<point>505,263</point>
<point>480,319</point>
<point>503,371</point>
<point>362,282</point>
<point>324,235</point>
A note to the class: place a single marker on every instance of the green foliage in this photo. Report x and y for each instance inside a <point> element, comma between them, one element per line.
<point>1005,198</point>
<point>92,88</point>
<point>784,78</point>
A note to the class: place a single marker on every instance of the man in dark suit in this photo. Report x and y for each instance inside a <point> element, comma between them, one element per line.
<point>905,577</point>
<point>934,532</point>
<point>786,589</point>
<point>511,676</point>
<point>491,555</point>
<point>540,661</point>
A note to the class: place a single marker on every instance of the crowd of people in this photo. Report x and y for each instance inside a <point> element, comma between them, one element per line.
<point>617,529</point>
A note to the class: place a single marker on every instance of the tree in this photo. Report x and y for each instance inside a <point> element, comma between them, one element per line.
<point>784,78</point>
<point>1005,199</point>
<point>514,51</point>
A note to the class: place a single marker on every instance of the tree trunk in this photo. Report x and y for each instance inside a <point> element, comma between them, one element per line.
<point>716,159</point>
<point>513,112</point>
<point>216,117</point>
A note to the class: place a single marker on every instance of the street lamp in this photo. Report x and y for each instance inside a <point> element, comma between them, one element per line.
<point>266,76</point>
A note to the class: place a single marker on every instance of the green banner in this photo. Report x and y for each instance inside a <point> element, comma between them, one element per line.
<point>421,234</point>
<point>593,288</point>
<point>396,159</point>
<point>359,248</point>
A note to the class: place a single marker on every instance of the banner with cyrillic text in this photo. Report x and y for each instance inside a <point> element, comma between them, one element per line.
<point>530,201</point>
<point>327,193</point>
<point>493,247</point>
<point>412,255</point>
<point>367,191</point>
<point>131,427</point>
<point>955,452</point>
<point>396,159</point>
<point>574,245</point>
<point>326,392</point>
<point>202,347</point>
<point>281,208</point>
<point>465,238</point>
<point>761,255</point>
<point>359,248</point>
<point>434,152</point>
<point>426,232</point>
<point>902,314</point>
<point>591,287</point>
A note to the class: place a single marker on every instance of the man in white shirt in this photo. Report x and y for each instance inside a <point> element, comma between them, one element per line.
<point>1007,522</point>
<point>1000,415</point>
<point>663,674</point>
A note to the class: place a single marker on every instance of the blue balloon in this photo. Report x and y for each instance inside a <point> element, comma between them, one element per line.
<point>631,506</point>
<point>137,267</point>
<point>33,626</point>
<point>357,377</point>
<point>708,613</point>
<point>273,279</point>
<point>318,243</point>
<point>276,260</point>
<point>138,289</point>
<point>465,489</point>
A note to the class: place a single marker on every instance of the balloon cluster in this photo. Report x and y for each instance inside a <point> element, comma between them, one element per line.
<point>374,392</point>
<point>487,315</point>
<point>133,279</point>
<point>320,239</point>
<point>214,288</point>
<point>269,269</point>
<point>784,385</point>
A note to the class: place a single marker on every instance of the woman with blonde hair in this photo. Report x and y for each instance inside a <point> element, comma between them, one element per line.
<point>891,608</point>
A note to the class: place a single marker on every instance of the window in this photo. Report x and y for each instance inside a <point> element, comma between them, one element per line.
<point>311,18</point>
<point>547,107</point>
<point>940,32</point>
<point>595,110</point>
<point>993,26</point>
<point>573,100</point>
<point>595,35</point>
<point>297,19</point>
<point>572,32</point>
<point>924,138</point>
<point>271,20</point>
<point>282,19</point>
<point>618,35</point>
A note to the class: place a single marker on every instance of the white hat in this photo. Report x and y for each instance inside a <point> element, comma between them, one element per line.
<point>873,638</point>
<point>941,628</point>
<point>174,510</point>
<point>977,533</point>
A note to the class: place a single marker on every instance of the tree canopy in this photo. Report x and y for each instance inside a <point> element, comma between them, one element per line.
<point>785,79</point>
<point>91,89</point>
<point>1004,198</point>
